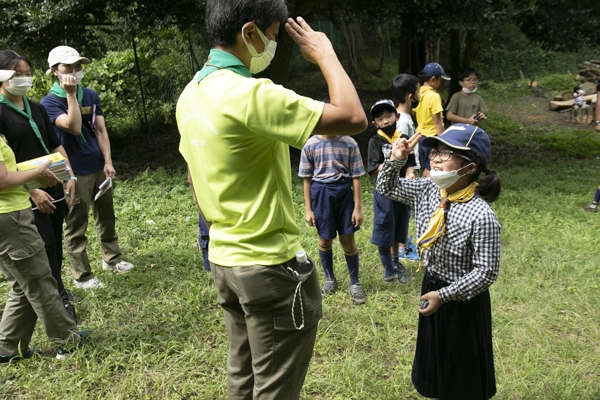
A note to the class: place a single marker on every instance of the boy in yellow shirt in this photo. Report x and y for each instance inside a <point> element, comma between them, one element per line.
<point>429,111</point>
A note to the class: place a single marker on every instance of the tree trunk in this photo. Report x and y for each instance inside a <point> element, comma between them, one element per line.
<point>278,70</point>
<point>381,51</point>
<point>359,44</point>
<point>454,59</point>
<point>469,51</point>
<point>404,56</point>
<point>436,49</point>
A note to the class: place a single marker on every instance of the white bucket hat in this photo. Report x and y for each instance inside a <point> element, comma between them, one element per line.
<point>64,55</point>
<point>6,74</point>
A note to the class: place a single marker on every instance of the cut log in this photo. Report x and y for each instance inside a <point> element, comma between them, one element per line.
<point>588,87</point>
<point>592,67</point>
<point>568,95</point>
<point>561,105</point>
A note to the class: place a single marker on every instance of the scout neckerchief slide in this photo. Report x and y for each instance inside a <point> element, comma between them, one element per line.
<point>437,224</point>
<point>395,136</point>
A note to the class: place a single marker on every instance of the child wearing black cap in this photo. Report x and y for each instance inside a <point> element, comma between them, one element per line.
<point>459,238</point>
<point>390,218</point>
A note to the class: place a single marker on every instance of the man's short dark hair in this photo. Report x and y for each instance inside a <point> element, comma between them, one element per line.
<point>465,73</point>
<point>225,18</point>
<point>403,85</point>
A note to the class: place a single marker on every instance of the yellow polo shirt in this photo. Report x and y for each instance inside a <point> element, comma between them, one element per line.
<point>430,104</point>
<point>15,199</point>
<point>235,137</point>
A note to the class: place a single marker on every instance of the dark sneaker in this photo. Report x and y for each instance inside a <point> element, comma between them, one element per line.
<point>64,353</point>
<point>390,278</point>
<point>71,311</point>
<point>330,286</point>
<point>593,207</point>
<point>73,298</point>
<point>6,359</point>
<point>357,293</point>
<point>403,276</point>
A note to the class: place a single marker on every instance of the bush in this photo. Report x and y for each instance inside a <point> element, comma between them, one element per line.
<point>557,82</point>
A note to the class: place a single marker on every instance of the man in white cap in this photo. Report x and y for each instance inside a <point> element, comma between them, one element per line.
<point>78,119</point>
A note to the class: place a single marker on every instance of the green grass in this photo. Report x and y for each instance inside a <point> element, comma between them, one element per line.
<point>158,331</point>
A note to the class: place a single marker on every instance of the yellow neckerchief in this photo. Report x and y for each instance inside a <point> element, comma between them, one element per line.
<point>437,224</point>
<point>394,137</point>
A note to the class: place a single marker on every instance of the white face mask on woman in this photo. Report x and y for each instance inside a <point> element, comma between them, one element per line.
<point>444,179</point>
<point>259,62</point>
<point>77,75</point>
<point>19,86</point>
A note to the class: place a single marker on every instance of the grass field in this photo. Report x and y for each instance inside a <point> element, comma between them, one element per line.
<point>158,332</point>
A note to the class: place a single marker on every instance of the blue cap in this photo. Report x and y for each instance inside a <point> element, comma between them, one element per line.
<point>463,137</point>
<point>435,69</point>
<point>382,104</point>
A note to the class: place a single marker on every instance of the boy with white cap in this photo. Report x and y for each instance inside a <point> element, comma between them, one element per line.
<point>78,119</point>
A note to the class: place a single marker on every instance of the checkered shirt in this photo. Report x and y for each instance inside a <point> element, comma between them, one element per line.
<point>467,255</point>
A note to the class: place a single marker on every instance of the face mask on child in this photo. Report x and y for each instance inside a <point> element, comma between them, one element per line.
<point>77,75</point>
<point>389,130</point>
<point>19,86</point>
<point>259,62</point>
<point>468,91</point>
<point>443,179</point>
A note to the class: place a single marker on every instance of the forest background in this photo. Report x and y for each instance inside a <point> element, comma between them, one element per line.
<point>158,332</point>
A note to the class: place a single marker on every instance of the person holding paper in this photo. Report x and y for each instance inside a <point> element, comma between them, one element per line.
<point>27,130</point>
<point>33,294</point>
<point>79,123</point>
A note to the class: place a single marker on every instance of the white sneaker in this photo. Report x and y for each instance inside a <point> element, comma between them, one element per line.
<point>93,283</point>
<point>121,266</point>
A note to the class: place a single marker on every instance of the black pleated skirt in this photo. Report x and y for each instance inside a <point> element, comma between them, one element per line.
<point>454,356</point>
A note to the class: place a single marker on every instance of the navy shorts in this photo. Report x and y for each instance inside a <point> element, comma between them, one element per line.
<point>424,155</point>
<point>333,205</point>
<point>390,222</point>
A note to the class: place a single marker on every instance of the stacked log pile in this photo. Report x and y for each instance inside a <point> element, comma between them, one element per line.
<point>589,75</point>
<point>589,71</point>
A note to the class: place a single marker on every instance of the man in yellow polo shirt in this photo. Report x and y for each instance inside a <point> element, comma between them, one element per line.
<point>235,136</point>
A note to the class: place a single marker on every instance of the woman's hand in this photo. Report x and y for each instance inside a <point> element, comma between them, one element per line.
<point>44,176</point>
<point>43,201</point>
<point>70,192</point>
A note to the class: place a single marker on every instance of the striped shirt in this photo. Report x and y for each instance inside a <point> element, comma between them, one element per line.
<point>329,160</point>
<point>467,255</point>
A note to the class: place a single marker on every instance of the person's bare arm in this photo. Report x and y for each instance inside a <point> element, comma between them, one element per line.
<point>437,121</point>
<point>455,118</point>
<point>104,144</point>
<point>357,214</point>
<point>71,121</point>
<point>310,215</point>
<point>12,179</point>
<point>344,114</point>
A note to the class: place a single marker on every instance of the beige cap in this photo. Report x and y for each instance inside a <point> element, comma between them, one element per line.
<point>6,74</point>
<point>64,55</point>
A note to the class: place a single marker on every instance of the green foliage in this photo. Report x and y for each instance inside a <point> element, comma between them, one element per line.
<point>557,82</point>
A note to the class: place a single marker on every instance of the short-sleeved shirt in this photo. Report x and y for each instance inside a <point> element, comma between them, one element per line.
<point>14,199</point>
<point>376,155</point>
<point>406,126</point>
<point>429,105</point>
<point>329,160</point>
<point>235,137</point>
<point>85,158</point>
<point>23,141</point>
<point>466,106</point>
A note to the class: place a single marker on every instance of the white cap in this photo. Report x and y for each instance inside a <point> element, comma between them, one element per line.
<point>6,74</point>
<point>64,55</point>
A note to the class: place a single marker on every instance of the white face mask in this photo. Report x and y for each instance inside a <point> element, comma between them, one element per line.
<point>468,91</point>
<point>77,75</point>
<point>19,86</point>
<point>443,179</point>
<point>259,62</point>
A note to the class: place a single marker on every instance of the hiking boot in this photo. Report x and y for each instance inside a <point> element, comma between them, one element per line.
<point>593,207</point>
<point>6,359</point>
<point>403,276</point>
<point>93,283</point>
<point>120,267</point>
<point>64,353</point>
<point>357,293</point>
<point>329,286</point>
<point>71,311</point>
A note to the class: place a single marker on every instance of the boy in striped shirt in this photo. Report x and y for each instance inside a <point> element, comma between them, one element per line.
<point>331,167</point>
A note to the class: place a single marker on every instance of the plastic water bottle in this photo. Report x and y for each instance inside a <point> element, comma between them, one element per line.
<point>302,267</point>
